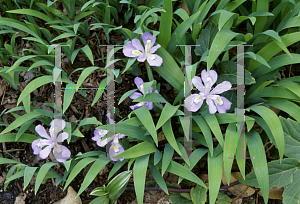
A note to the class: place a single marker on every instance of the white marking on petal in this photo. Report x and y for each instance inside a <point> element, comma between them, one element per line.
<point>39,144</point>
<point>220,101</point>
<point>136,52</point>
<point>140,103</point>
<point>209,79</point>
<point>148,46</point>
<point>142,87</point>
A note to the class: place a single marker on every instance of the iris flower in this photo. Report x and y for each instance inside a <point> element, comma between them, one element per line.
<point>134,48</point>
<point>139,83</point>
<point>115,148</point>
<point>60,152</point>
<point>214,101</point>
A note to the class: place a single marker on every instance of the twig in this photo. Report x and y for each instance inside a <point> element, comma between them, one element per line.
<point>13,150</point>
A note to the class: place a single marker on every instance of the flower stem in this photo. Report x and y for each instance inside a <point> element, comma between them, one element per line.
<point>149,72</point>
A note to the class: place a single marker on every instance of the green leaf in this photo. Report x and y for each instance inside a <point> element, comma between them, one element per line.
<point>138,150</point>
<point>289,107</point>
<point>181,171</point>
<point>87,50</point>
<point>180,31</point>
<point>125,95</point>
<point>24,127</point>
<point>41,175</point>
<point>206,131</point>
<point>139,176</point>
<point>21,120</point>
<point>221,40</point>
<point>215,170</point>
<point>291,192</point>
<point>198,195</point>
<point>168,155</point>
<point>274,124</point>
<point>280,174</point>
<point>92,173</point>
<point>117,185</point>
<point>33,85</point>
<point>206,38</point>
<point>229,149</point>
<point>223,199</point>
<point>291,131</point>
<point>292,86</point>
<point>64,35</point>
<point>101,199</point>
<point>228,72</point>
<point>157,156</point>
<point>259,161</point>
<point>11,137</point>
<point>168,132</point>
<point>165,24</point>
<point>166,114</point>
<point>213,125</point>
<point>145,117</point>
<point>116,167</point>
<point>178,199</point>
<point>31,12</point>
<point>28,173</point>
<point>150,97</point>
<point>169,70</point>
<point>158,178</point>
<point>89,121</point>
<point>77,168</point>
<point>8,161</point>
<point>68,96</point>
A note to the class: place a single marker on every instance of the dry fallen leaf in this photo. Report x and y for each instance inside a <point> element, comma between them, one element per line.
<point>70,198</point>
<point>184,7</point>
<point>274,193</point>
<point>240,190</point>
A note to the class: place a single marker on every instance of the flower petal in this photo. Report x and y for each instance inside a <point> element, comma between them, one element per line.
<point>155,61</point>
<point>222,87</point>
<point>211,106</point>
<point>137,105</point>
<point>149,105</point>
<point>138,82</point>
<point>141,58</point>
<point>63,155</point>
<point>137,44</point>
<point>209,78</point>
<point>57,125</point>
<point>135,95</point>
<point>42,132</point>
<point>153,49</point>
<point>198,83</point>
<point>112,152</point>
<point>121,136</point>
<point>127,50</point>
<point>147,36</point>
<point>61,137</point>
<point>191,105</point>
<point>36,148</point>
<point>225,106</point>
<point>45,152</point>
<point>110,119</point>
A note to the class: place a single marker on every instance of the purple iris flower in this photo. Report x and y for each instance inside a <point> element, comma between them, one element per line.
<point>115,148</point>
<point>139,83</point>
<point>60,152</point>
<point>214,101</point>
<point>134,48</point>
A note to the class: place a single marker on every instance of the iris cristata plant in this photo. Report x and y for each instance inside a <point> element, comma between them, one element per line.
<point>43,147</point>
<point>214,101</point>
<point>139,83</point>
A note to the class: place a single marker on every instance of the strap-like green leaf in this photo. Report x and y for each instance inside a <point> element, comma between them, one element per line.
<point>145,117</point>
<point>139,176</point>
<point>274,124</point>
<point>41,175</point>
<point>215,170</point>
<point>137,150</point>
<point>166,114</point>
<point>259,161</point>
<point>229,149</point>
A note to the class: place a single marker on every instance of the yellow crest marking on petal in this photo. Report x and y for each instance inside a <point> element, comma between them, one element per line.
<point>220,101</point>
<point>57,148</point>
<point>116,149</point>
<point>39,144</point>
<point>136,52</point>
<point>148,46</point>
<point>197,99</point>
<point>152,57</point>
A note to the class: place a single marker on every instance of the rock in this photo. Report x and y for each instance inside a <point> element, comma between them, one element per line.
<point>70,198</point>
<point>20,199</point>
